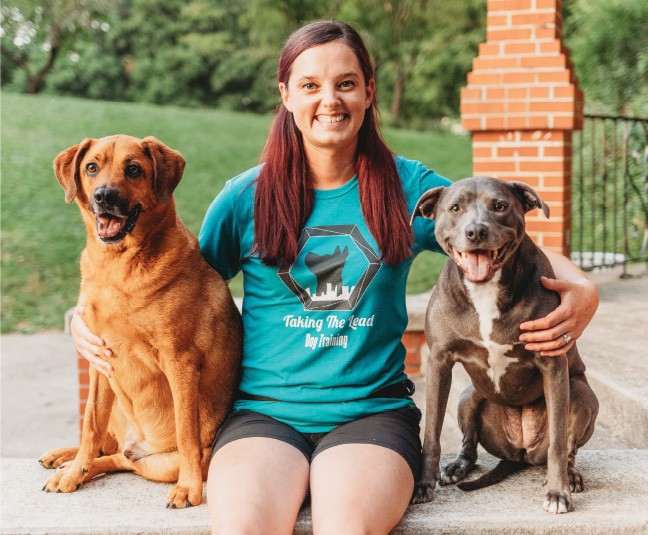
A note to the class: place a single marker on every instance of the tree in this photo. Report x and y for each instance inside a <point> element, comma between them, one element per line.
<point>423,50</point>
<point>35,33</point>
<point>609,46</point>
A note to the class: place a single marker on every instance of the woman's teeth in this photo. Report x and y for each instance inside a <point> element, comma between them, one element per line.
<point>330,118</point>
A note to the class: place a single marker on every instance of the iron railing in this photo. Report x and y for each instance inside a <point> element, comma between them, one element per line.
<point>610,192</point>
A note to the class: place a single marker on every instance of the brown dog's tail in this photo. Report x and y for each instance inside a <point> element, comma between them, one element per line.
<point>503,469</point>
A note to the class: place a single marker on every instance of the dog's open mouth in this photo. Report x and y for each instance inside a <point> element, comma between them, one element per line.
<point>480,265</point>
<point>112,228</point>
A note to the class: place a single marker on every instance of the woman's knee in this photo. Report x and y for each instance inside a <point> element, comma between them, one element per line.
<point>256,485</point>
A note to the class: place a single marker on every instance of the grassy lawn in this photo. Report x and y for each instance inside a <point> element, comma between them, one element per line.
<point>42,237</point>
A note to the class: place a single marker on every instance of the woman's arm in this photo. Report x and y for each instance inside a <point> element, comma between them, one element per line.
<point>578,302</point>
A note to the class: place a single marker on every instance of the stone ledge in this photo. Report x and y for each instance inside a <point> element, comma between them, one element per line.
<point>614,502</point>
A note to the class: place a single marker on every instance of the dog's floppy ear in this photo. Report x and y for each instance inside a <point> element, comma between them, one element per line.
<point>66,168</point>
<point>426,205</point>
<point>168,166</point>
<point>529,197</point>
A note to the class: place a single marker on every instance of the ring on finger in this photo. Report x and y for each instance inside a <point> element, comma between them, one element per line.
<point>567,338</point>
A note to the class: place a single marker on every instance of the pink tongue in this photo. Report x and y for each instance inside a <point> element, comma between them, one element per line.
<point>478,266</point>
<point>107,227</point>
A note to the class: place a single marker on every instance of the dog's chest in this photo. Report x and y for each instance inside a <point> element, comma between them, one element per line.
<point>484,299</point>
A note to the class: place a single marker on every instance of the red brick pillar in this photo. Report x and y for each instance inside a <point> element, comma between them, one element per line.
<point>521,104</point>
<point>84,383</point>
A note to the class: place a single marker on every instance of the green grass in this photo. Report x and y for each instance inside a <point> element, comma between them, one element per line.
<point>42,237</point>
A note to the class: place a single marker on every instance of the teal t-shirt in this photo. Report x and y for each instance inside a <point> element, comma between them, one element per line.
<point>324,333</point>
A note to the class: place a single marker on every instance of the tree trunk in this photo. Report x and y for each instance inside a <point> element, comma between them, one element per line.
<point>397,93</point>
<point>36,82</point>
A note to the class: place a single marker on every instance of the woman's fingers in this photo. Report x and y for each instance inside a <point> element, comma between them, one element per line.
<point>90,346</point>
<point>549,348</point>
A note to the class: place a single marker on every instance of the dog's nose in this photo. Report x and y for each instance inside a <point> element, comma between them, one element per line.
<point>476,232</point>
<point>106,196</point>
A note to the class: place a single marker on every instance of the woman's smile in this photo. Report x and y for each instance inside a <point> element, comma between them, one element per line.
<point>331,118</point>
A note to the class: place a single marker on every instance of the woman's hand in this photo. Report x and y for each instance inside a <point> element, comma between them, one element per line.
<point>89,346</point>
<point>558,331</point>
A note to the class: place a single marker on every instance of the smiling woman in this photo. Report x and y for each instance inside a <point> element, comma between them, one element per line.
<point>328,96</point>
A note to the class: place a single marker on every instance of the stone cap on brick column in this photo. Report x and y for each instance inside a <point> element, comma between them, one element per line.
<point>523,78</point>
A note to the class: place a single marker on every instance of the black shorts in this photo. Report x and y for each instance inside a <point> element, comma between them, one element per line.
<point>398,430</point>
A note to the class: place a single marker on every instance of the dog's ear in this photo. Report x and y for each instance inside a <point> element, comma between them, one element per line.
<point>168,166</point>
<point>426,205</point>
<point>529,197</point>
<point>66,168</point>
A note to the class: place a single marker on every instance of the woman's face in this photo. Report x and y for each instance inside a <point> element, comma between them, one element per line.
<point>328,96</point>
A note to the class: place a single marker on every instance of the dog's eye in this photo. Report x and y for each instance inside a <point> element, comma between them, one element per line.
<point>133,170</point>
<point>91,168</point>
<point>499,206</point>
<point>454,208</point>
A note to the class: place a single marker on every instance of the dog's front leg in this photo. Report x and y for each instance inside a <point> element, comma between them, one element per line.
<point>556,390</point>
<point>183,376</point>
<point>93,434</point>
<point>437,389</point>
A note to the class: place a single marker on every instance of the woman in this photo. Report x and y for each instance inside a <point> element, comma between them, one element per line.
<point>324,406</point>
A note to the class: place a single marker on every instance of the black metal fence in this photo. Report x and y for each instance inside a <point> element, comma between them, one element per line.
<point>610,192</point>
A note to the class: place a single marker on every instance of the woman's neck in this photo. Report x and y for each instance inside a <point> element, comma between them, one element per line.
<point>330,169</point>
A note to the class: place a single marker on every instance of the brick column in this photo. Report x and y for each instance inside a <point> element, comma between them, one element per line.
<point>521,104</point>
<point>84,383</point>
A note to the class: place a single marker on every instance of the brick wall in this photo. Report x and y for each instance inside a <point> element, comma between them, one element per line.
<point>521,104</point>
<point>84,383</point>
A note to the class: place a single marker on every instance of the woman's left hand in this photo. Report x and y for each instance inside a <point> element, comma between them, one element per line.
<point>558,331</point>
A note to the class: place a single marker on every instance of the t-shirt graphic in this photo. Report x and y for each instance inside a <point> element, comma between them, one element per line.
<point>333,268</point>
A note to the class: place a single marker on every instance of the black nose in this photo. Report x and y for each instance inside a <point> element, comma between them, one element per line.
<point>106,196</point>
<point>476,232</point>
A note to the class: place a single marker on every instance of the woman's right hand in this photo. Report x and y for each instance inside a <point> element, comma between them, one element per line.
<point>89,346</point>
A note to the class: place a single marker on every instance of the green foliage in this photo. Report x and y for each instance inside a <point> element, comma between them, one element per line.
<point>91,73</point>
<point>224,52</point>
<point>42,237</point>
<point>36,33</point>
<point>609,46</point>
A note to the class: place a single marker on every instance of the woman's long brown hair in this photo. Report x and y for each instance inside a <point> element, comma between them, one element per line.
<point>284,192</point>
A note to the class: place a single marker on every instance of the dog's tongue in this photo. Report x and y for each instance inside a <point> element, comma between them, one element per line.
<point>478,266</point>
<point>109,226</point>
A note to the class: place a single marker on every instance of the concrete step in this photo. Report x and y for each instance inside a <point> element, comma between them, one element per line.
<point>614,502</point>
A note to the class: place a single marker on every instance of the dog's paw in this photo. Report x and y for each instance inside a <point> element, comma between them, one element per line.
<point>557,502</point>
<point>65,480</point>
<point>575,480</point>
<point>456,471</point>
<point>182,496</point>
<point>55,458</point>
<point>423,492</point>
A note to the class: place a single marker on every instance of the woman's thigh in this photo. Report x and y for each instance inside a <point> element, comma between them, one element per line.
<point>256,485</point>
<point>359,488</point>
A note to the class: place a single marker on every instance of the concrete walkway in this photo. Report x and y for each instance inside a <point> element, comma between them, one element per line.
<point>39,412</point>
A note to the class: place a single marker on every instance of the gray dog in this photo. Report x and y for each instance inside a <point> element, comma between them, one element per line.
<point>521,407</point>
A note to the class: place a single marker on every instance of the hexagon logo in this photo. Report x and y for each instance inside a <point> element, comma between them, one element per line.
<point>333,268</point>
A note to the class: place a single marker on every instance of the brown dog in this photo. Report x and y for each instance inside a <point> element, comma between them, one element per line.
<point>167,316</point>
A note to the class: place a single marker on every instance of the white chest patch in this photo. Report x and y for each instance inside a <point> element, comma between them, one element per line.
<point>484,298</point>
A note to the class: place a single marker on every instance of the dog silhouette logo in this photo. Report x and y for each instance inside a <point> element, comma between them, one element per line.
<point>328,270</point>
<point>334,267</point>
